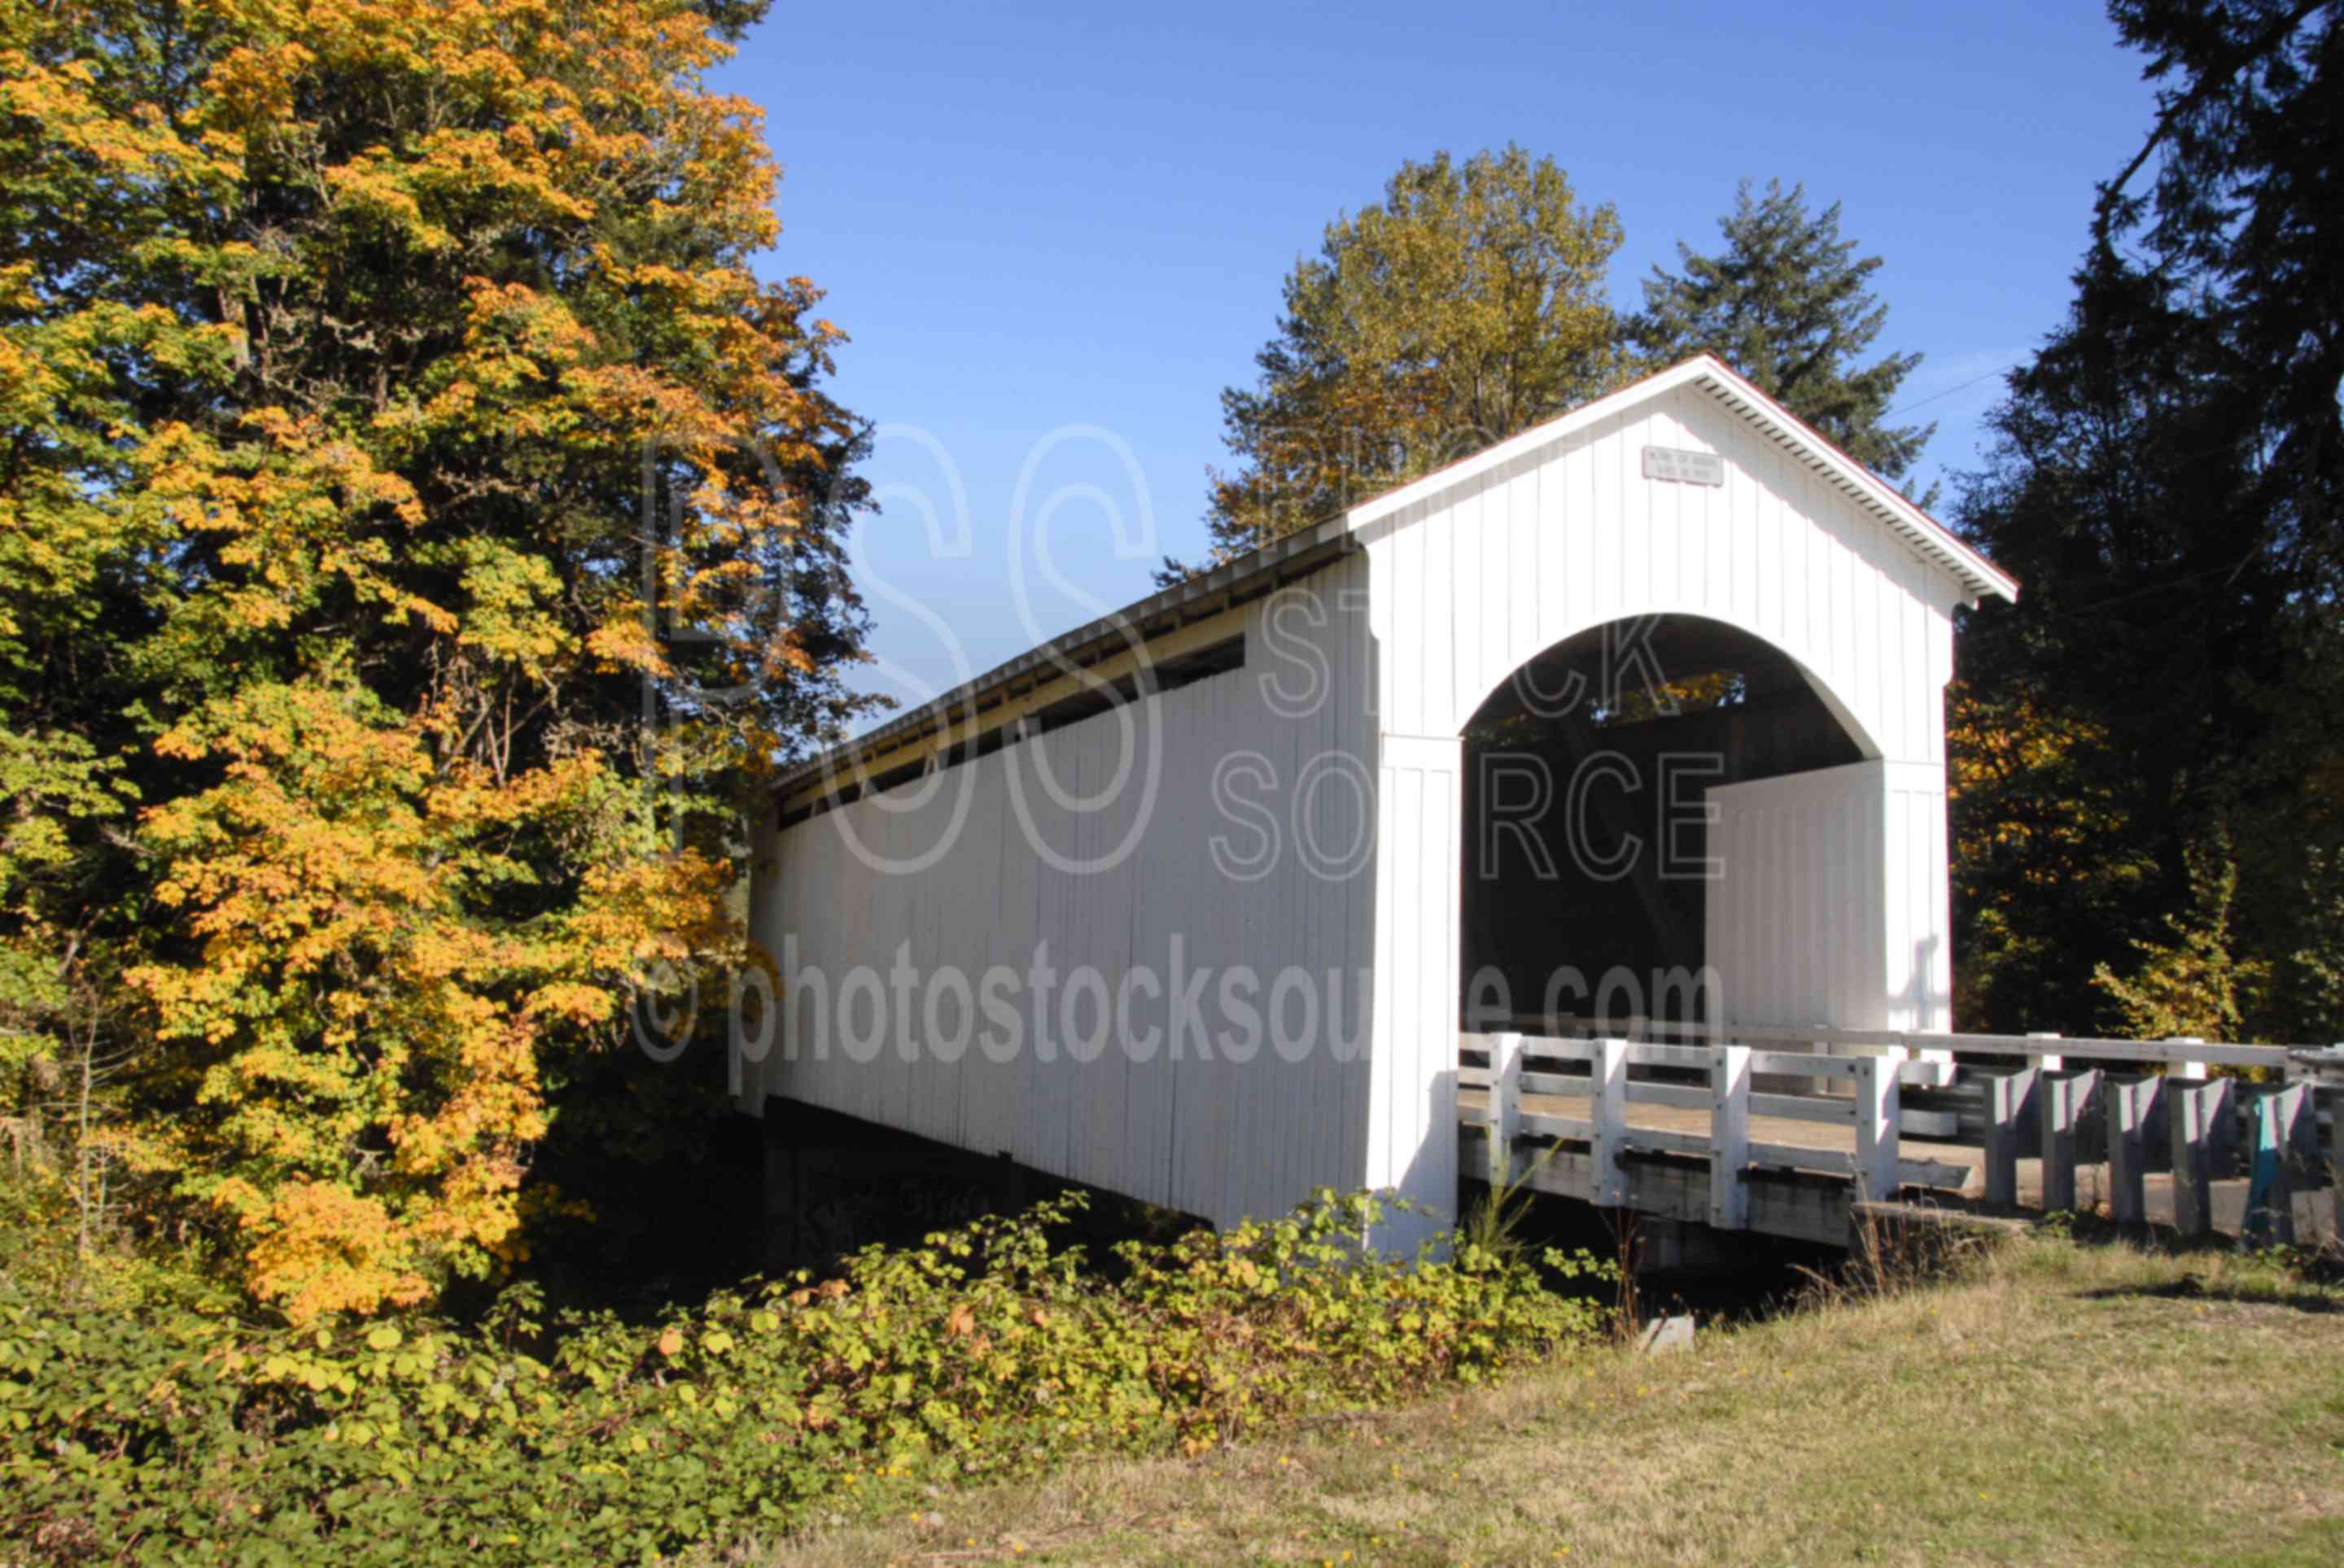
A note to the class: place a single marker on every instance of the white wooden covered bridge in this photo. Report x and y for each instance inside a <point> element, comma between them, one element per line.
<point>1635,715</point>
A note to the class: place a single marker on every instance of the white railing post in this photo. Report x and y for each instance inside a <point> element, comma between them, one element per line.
<point>1505,1109</point>
<point>1877,1108</point>
<point>1729,1137</point>
<point>2050,1060</point>
<point>2193,1070</point>
<point>1607,1117</point>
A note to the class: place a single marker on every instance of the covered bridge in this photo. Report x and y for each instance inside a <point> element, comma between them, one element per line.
<point>1637,714</point>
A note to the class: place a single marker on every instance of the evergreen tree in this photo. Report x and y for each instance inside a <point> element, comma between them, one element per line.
<point>2247,212</point>
<point>2165,479</point>
<point>1788,303</point>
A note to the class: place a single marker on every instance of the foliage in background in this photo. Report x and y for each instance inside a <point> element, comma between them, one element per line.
<point>1463,308</point>
<point>2166,479</point>
<point>2045,876</point>
<point>421,525</point>
<point>1789,304</point>
<point>1469,306</point>
<point>176,1433</point>
<point>2190,984</point>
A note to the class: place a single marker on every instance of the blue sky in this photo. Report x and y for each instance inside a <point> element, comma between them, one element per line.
<point>1055,233</point>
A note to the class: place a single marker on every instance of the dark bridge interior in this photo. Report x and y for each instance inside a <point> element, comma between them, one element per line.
<point>1584,841</point>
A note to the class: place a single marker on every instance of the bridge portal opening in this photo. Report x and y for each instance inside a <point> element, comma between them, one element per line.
<point>1586,845</point>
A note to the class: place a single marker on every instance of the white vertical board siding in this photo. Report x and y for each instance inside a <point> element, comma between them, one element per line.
<point>1411,1124</point>
<point>1919,898</point>
<point>1474,582</point>
<point>1218,1132</point>
<point>1831,905</point>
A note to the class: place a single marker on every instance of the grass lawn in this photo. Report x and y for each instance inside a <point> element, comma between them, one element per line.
<point>2047,1402</point>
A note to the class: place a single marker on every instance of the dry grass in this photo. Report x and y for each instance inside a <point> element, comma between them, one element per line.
<point>2052,1403</point>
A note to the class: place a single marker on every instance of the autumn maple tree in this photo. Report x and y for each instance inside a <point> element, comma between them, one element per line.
<point>419,525</point>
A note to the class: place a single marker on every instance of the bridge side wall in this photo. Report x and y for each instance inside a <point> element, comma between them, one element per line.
<point>1227,833</point>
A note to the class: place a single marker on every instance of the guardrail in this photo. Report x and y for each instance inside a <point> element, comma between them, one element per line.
<point>2041,1109</point>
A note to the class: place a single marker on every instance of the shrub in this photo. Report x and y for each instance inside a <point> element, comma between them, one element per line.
<point>176,1433</point>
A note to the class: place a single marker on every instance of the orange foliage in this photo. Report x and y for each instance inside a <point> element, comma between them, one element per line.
<point>429,393</point>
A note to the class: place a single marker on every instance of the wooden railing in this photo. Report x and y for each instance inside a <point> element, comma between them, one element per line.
<point>2037,1108</point>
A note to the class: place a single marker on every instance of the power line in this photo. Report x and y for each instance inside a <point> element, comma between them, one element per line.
<point>1949,391</point>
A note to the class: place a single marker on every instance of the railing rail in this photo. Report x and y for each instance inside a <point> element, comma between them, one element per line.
<point>2041,1109</point>
<point>2213,1053</point>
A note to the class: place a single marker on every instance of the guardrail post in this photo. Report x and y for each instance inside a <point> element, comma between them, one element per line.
<point>1729,1137</point>
<point>1607,1116</point>
<point>2200,1116</point>
<point>2335,1097</point>
<point>2008,1097</point>
<point>2193,1070</point>
<point>2284,1136</point>
<point>2064,1099</point>
<point>2131,1107</point>
<point>1877,1108</point>
<point>1505,1109</point>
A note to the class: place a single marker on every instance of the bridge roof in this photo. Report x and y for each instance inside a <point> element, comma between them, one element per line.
<point>1298,554</point>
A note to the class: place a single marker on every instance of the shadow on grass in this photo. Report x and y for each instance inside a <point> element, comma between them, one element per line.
<point>2304,1279</point>
<point>2313,1299</point>
<point>2320,1262</point>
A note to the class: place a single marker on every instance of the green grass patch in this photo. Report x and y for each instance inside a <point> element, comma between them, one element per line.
<point>2045,1401</point>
